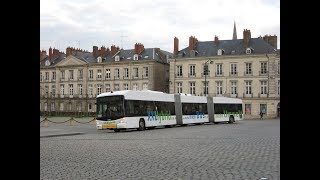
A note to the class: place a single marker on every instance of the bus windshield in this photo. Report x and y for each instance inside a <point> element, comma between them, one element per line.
<point>110,108</point>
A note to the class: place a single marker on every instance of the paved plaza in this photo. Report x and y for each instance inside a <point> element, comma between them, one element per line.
<point>249,149</point>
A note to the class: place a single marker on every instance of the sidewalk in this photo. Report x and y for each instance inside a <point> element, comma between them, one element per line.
<point>55,126</point>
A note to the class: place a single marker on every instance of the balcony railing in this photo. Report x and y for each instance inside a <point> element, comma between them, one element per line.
<point>178,75</point>
<point>263,95</point>
<point>204,74</point>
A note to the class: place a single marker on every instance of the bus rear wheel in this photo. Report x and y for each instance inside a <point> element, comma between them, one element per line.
<point>141,125</point>
<point>231,119</point>
<point>116,130</point>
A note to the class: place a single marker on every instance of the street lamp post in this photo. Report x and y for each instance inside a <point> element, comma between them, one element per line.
<point>205,75</point>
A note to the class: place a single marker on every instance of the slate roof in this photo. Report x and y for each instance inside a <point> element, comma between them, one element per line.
<point>230,47</point>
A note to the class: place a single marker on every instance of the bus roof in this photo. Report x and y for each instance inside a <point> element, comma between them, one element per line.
<point>226,100</point>
<point>146,95</point>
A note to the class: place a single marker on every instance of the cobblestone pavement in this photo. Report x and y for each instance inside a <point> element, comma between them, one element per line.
<point>249,149</point>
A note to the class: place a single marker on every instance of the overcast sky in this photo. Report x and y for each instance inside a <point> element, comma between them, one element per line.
<point>154,23</point>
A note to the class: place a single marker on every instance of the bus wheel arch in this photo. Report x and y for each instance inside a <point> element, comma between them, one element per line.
<point>142,125</point>
<point>231,119</point>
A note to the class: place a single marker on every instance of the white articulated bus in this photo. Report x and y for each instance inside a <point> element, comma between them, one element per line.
<point>131,109</point>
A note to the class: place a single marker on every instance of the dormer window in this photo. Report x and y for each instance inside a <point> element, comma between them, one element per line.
<point>116,58</point>
<point>135,57</point>
<point>220,52</point>
<point>47,63</point>
<point>248,51</point>
<point>99,59</point>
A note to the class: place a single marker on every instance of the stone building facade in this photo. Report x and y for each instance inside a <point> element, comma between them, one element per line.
<point>247,68</point>
<point>69,83</point>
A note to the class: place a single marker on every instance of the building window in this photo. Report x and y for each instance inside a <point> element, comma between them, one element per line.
<point>45,107</point>
<point>192,70</point>
<point>80,89</point>
<point>179,87</point>
<point>99,74</point>
<point>116,87</point>
<point>54,75</point>
<point>108,72</point>
<point>145,72</point>
<point>107,87</point>
<point>71,89</point>
<point>135,57</point>
<point>80,74</point>
<point>125,86</point>
<point>248,68</point>
<point>219,87</point>
<point>263,87</point>
<point>62,89</point>
<point>248,87</point>
<point>53,90</point>
<point>62,75</point>
<point>90,89</point>
<point>40,76</point>
<point>247,108</point>
<point>248,51</point>
<point>219,69</point>
<point>117,58</point>
<point>99,88</point>
<point>179,71</point>
<point>90,107</point>
<point>278,87</point>
<point>263,67</point>
<point>234,87</point>
<point>61,107</point>
<point>71,74</point>
<point>126,72</point>
<point>91,74</point>
<point>233,70</point>
<point>135,87</point>
<point>145,86</point>
<point>117,73</point>
<point>47,76</point>
<point>52,107</point>
<point>263,108</point>
<point>135,72</point>
<point>192,88</point>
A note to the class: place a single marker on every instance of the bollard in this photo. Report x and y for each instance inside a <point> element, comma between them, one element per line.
<point>71,121</point>
<point>46,122</point>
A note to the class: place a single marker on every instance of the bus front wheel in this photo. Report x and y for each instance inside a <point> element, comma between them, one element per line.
<point>231,119</point>
<point>141,125</point>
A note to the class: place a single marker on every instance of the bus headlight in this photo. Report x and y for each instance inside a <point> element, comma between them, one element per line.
<point>123,120</point>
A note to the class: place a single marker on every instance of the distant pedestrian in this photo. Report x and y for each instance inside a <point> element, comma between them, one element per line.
<point>261,115</point>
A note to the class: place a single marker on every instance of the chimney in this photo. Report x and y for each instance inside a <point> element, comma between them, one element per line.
<point>95,51</point>
<point>192,42</point>
<point>216,40</point>
<point>246,38</point>
<point>50,53</point>
<point>138,48</point>
<point>175,46</point>
<point>113,50</point>
<point>43,52</point>
<point>68,51</point>
<point>103,52</point>
<point>272,40</point>
<point>55,53</point>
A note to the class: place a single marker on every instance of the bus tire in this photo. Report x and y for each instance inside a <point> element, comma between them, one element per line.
<point>116,130</point>
<point>168,126</point>
<point>231,119</point>
<point>141,125</point>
